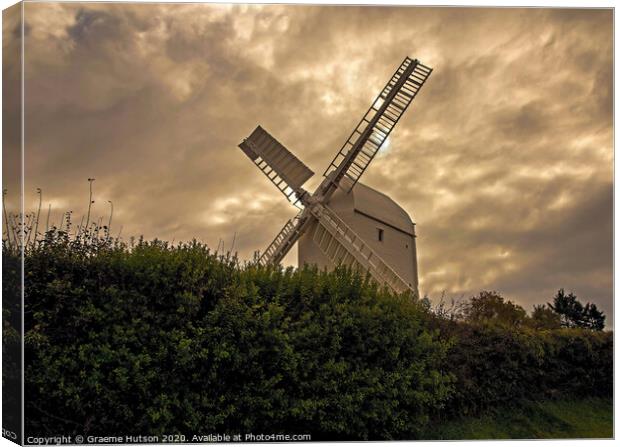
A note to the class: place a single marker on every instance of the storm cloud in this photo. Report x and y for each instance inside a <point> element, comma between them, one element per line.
<point>504,160</point>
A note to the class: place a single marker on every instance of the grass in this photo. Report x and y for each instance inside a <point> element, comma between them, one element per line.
<point>553,419</point>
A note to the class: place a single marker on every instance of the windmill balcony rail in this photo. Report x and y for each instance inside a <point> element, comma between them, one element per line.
<point>370,259</point>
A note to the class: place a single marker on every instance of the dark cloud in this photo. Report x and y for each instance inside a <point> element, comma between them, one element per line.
<point>90,26</point>
<point>504,160</point>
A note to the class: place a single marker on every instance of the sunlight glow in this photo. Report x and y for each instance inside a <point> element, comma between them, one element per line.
<point>385,147</point>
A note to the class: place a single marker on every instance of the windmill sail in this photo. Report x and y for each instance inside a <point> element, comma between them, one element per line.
<point>374,128</point>
<point>284,170</point>
<point>341,245</point>
<point>285,239</point>
<point>328,238</point>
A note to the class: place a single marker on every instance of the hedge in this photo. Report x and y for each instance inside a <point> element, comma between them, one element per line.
<point>161,340</point>
<point>495,365</point>
<point>158,339</point>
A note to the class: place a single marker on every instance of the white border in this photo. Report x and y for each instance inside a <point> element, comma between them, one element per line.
<point>569,4</point>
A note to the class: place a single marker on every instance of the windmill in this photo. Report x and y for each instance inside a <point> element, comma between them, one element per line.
<point>344,221</point>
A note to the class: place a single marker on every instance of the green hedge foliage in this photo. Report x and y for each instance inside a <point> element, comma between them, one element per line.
<point>154,339</point>
<point>497,365</point>
<point>162,340</point>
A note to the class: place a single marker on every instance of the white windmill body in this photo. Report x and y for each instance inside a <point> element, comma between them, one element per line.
<point>379,221</point>
<point>344,221</point>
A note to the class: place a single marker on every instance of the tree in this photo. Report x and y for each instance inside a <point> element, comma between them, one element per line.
<point>593,318</point>
<point>490,307</point>
<point>544,317</point>
<point>574,314</point>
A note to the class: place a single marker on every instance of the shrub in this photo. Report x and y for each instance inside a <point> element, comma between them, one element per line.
<point>579,362</point>
<point>11,340</point>
<point>543,317</point>
<point>490,307</point>
<point>496,365</point>
<point>157,339</point>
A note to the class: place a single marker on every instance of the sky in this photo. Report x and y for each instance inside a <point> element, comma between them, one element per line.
<point>504,160</point>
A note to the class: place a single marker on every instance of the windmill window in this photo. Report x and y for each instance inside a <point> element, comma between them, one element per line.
<point>380,234</point>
